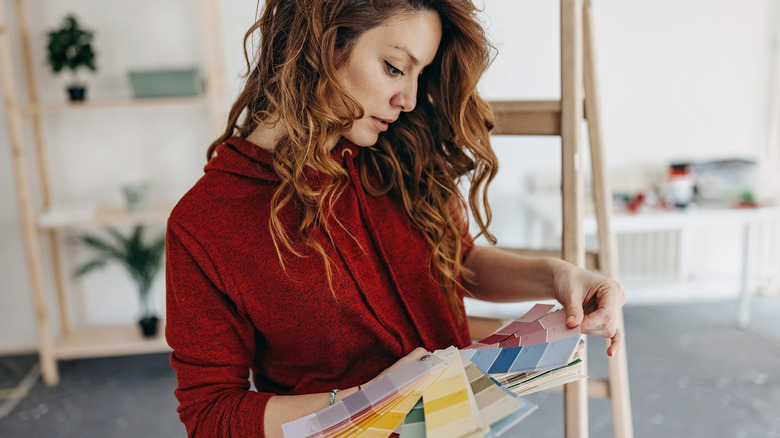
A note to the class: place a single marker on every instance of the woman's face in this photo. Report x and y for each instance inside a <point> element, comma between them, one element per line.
<point>383,68</point>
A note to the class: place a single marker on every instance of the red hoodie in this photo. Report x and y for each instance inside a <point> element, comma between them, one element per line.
<point>231,307</point>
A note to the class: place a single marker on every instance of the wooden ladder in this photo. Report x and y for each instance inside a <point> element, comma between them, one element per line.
<point>564,118</point>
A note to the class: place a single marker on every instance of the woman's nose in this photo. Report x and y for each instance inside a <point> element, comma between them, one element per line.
<point>406,97</point>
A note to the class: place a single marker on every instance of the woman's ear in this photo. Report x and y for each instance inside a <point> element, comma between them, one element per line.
<point>340,56</point>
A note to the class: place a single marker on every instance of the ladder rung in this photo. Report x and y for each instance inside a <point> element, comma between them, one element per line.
<point>526,106</point>
<point>527,117</point>
<point>532,117</point>
<point>597,388</point>
<point>591,258</point>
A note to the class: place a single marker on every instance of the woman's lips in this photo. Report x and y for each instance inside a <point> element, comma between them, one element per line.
<point>380,124</point>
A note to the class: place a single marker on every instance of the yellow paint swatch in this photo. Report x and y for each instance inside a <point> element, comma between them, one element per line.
<point>446,401</point>
<point>390,420</point>
<point>449,405</point>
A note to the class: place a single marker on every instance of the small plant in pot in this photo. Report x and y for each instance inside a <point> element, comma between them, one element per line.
<point>141,259</point>
<point>70,47</point>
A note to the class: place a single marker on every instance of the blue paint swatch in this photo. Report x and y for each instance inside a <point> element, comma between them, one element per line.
<point>483,359</point>
<point>504,360</point>
<point>558,352</point>
<point>528,359</point>
<point>469,353</point>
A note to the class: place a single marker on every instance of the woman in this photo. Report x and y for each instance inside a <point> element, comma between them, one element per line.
<point>327,241</point>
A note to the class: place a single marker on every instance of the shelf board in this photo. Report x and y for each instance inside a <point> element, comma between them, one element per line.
<point>102,216</point>
<point>105,341</point>
<point>37,109</point>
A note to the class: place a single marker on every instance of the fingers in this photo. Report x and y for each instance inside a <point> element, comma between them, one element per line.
<point>616,343</point>
<point>603,309</point>
<point>600,320</point>
<point>592,302</point>
<point>616,338</point>
<point>416,354</point>
<point>574,314</point>
<point>602,323</point>
<point>613,296</point>
<point>605,324</point>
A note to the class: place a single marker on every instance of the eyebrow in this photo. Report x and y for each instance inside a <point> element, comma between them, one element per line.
<point>408,52</point>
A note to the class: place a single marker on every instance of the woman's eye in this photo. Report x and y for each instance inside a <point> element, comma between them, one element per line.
<point>393,70</point>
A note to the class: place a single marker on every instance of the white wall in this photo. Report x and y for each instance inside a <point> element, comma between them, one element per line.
<point>680,79</point>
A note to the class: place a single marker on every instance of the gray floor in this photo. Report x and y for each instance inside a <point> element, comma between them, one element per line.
<point>693,374</point>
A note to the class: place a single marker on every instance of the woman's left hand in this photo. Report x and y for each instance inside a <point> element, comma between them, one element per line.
<point>592,302</point>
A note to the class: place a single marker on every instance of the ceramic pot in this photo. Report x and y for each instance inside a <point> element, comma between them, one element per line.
<point>77,93</point>
<point>149,326</point>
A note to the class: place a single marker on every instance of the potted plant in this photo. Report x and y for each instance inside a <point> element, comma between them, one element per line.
<point>141,260</point>
<point>70,47</point>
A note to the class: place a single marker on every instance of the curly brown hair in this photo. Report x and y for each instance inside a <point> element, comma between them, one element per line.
<point>419,161</point>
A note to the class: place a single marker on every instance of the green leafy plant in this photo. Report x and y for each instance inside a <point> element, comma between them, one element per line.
<point>70,47</point>
<point>141,260</point>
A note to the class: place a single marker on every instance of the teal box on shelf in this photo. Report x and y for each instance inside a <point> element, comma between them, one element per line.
<point>166,83</point>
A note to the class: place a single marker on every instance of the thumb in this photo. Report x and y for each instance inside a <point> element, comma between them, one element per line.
<point>574,315</point>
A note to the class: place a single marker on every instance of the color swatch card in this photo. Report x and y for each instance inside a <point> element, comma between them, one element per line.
<point>539,357</point>
<point>539,353</point>
<point>386,420</point>
<point>552,325</point>
<point>381,422</point>
<point>508,331</point>
<point>494,403</point>
<point>499,408</point>
<point>372,399</point>
<point>414,423</point>
<point>449,404</point>
<point>535,327</point>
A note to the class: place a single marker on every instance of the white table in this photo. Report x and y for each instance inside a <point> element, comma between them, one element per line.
<point>544,214</point>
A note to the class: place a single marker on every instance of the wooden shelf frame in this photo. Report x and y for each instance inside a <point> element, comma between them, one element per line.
<point>43,108</point>
<point>102,216</point>
<point>39,227</point>
<point>119,340</point>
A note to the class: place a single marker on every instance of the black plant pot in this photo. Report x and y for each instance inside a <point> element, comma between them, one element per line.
<point>149,326</point>
<point>77,93</point>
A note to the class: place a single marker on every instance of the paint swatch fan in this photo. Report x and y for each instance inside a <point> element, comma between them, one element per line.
<point>473,392</point>
<point>535,352</point>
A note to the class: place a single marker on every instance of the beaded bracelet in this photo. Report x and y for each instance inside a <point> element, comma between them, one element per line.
<point>333,395</point>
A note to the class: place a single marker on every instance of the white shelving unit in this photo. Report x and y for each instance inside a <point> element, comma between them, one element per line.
<point>42,223</point>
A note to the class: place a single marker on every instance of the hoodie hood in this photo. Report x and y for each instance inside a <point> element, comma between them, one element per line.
<point>240,157</point>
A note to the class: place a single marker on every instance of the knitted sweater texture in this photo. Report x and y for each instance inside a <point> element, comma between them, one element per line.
<point>232,307</point>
